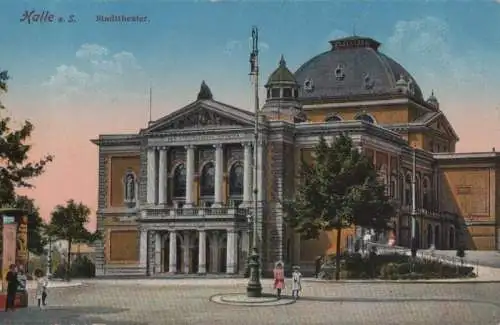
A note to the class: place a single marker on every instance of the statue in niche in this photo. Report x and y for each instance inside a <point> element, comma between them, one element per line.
<point>130,188</point>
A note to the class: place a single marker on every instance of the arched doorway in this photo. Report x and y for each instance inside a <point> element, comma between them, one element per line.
<point>222,265</point>
<point>451,239</point>
<point>194,255</point>
<point>208,249</point>
<point>166,254</point>
<point>417,234</point>
<point>430,235</point>
<point>179,256</point>
<point>437,236</point>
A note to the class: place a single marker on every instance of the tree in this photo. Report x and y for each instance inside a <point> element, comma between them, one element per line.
<point>68,223</point>
<point>339,190</point>
<point>15,168</point>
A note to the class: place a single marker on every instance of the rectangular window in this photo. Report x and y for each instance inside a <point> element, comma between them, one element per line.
<point>287,93</point>
<point>275,93</point>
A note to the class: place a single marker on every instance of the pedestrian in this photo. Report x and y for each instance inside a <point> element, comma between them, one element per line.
<point>279,278</point>
<point>317,266</point>
<point>12,284</point>
<point>296,282</point>
<point>41,289</point>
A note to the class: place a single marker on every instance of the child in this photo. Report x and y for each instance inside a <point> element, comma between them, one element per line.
<point>279,279</point>
<point>41,289</point>
<point>296,286</point>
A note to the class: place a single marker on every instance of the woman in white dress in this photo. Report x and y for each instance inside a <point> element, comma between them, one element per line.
<point>296,285</point>
<point>41,289</point>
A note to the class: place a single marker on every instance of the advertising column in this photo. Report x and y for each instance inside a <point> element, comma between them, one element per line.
<point>9,246</point>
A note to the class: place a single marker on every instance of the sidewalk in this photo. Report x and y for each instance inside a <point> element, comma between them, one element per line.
<point>55,284</point>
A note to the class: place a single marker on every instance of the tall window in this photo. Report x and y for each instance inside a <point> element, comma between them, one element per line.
<point>207,180</point>
<point>425,194</point>
<point>408,196</point>
<point>236,180</point>
<point>392,189</point>
<point>179,181</point>
<point>418,191</point>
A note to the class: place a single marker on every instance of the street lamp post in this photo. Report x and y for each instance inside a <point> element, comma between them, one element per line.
<point>49,259</point>
<point>254,287</point>
<point>414,207</point>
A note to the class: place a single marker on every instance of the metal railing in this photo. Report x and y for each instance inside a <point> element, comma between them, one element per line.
<point>425,255</point>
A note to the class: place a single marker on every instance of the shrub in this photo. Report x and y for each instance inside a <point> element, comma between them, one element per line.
<point>82,267</point>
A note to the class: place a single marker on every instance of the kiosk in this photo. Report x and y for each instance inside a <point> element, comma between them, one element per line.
<point>15,249</point>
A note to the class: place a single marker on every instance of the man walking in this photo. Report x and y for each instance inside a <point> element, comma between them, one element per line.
<point>12,284</point>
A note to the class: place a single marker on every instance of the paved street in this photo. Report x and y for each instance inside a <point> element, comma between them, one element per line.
<point>136,302</point>
<point>487,258</point>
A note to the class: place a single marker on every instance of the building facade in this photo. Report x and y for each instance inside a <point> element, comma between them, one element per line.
<point>177,197</point>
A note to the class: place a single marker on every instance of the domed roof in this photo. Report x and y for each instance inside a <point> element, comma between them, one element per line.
<point>353,67</point>
<point>281,75</point>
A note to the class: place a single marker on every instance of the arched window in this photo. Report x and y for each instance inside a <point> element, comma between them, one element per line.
<point>425,194</point>
<point>430,236</point>
<point>392,190</point>
<point>207,180</point>
<point>179,181</point>
<point>333,118</point>
<point>437,236</point>
<point>408,196</point>
<point>418,195</point>
<point>451,239</point>
<point>401,188</point>
<point>236,180</point>
<point>366,118</point>
<point>129,187</point>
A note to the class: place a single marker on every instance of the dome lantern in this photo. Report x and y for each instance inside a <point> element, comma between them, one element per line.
<point>432,100</point>
<point>282,92</point>
<point>281,84</point>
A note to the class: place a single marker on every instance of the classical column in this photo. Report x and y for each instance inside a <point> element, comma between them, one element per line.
<point>202,248</point>
<point>143,248</point>
<point>189,175</point>
<point>151,176</point>
<point>172,257</point>
<point>231,252</point>
<point>158,244</point>
<point>260,173</point>
<point>219,170</point>
<point>162,173</point>
<point>247,174</point>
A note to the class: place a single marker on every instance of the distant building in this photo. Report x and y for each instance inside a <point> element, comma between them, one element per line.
<point>175,196</point>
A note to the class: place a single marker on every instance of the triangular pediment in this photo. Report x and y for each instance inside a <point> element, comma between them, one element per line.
<point>443,126</point>
<point>202,114</point>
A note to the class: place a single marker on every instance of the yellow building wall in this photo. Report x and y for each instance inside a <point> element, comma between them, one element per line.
<point>470,193</point>
<point>119,165</point>
<point>383,115</point>
<point>121,240</point>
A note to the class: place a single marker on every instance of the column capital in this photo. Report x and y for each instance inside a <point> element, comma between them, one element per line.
<point>247,144</point>
<point>189,146</point>
<point>218,146</point>
<point>162,148</point>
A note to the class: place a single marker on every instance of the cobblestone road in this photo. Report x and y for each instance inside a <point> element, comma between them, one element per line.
<point>133,303</point>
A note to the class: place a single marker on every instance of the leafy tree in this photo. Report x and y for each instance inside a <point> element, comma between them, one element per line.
<point>15,169</point>
<point>68,223</point>
<point>339,190</point>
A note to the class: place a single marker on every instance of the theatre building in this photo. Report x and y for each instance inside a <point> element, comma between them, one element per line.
<point>176,197</point>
